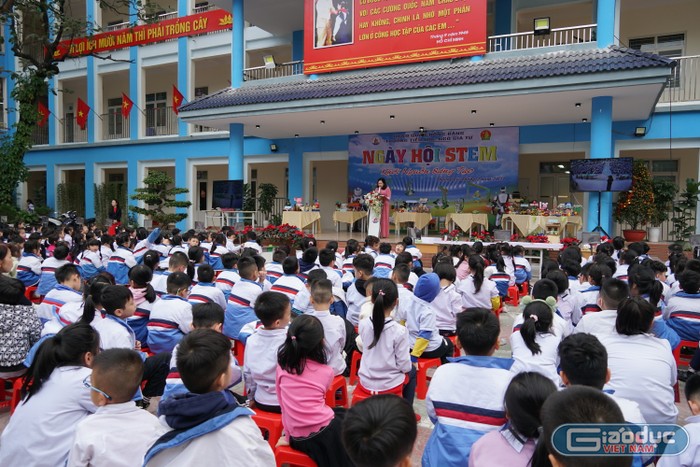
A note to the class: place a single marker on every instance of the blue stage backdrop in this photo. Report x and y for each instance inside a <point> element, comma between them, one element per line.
<point>456,170</point>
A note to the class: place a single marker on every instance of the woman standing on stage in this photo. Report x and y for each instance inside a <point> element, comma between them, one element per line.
<point>385,192</point>
<point>115,215</point>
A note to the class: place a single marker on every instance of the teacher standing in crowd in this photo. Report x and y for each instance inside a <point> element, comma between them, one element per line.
<point>115,215</point>
<point>385,192</point>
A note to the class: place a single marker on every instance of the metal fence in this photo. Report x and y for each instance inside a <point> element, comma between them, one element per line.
<point>114,126</point>
<point>556,37</point>
<point>72,133</point>
<point>684,80</point>
<point>285,69</point>
<point>40,135</point>
<point>160,121</point>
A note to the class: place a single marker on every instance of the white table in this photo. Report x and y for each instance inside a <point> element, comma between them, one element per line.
<point>419,219</point>
<point>350,217</point>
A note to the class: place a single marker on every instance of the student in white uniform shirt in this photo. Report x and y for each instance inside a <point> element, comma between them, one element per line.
<point>239,307</point>
<point>178,262</point>
<point>29,266</point>
<point>260,365</point>
<point>573,272</point>
<point>171,316</point>
<point>566,298</point>
<point>448,303</point>
<point>67,290</point>
<point>476,290</point>
<point>643,367</point>
<point>587,301</point>
<point>41,430</point>
<point>333,326</point>
<point>627,259</point>
<point>384,262</point>
<point>612,293</point>
<point>405,258</point>
<point>274,267</point>
<point>49,266</point>
<point>643,283</point>
<point>229,276</point>
<point>400,277</point>
<point>355,295</point>
<point>302,302</point>
<point>543,289</point>
<point>116,376</point>
<point>683,310</point>
<point>351,248</point>
<point>289,283</point>
<point>691,456</point>
<point>106,249</point>
<point>206,291</point>
<point>326,258</point>
<point>252,242</point>
<point>121,260</point>
<point>371,246</point>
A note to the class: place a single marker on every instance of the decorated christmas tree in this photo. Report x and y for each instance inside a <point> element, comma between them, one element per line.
<point>636,206</point>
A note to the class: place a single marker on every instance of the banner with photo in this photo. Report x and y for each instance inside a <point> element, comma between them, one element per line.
<point>449,170</point>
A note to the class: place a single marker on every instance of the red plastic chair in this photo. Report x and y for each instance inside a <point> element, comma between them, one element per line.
<point>239,351</point>
<point>16,394</point>
<point>355,367</point>
<point>292,457</point>
<point>270,423</point>
<point>682,360</point>
<point>422,375</point>
<point>513,296</point>
<point>7,395</point>
<point>29,293</point>
<point>456,352</point>
<point>338,384</point>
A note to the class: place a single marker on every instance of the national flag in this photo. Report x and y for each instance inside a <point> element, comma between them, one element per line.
<point>127,104</point>
<point>177,99</point>
<point>44,112</point>
<point>83,112</point>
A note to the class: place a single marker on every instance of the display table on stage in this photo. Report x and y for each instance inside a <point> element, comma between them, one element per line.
<point>527,224</point>
<point>466,220</point>
<point>303,219</point>
<point>419,219</point>
<point>238,219</point>
<point>350,217</point>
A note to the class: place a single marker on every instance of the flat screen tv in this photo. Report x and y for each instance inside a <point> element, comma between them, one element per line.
<point>613,174</point>
<point>228,194</point>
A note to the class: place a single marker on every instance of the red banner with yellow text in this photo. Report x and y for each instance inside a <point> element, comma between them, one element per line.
<point>348,34</point>
<point>201,23</point>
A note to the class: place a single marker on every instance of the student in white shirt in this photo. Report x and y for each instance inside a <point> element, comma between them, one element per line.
<point>643,367</point>
<point>627,258</point>
<point>683,310</point>
<point>252,242</point>
<point>106,249</point>
<point>29,266</point>
<point>356,296</point>
<point>218,249</point>
<point>67,290</point>
<point>274,267</point>
<point>566,298</point>
<point>260,365</point>
<point>289,283</point>
<point>333,326</point>
<point>448,303</point>
<point>49,267</point>
<point>326,258</point>
<point>178,262</point>
<point>588,297</point>
<point>302,302</point>
<point>405,258</point>
<point>384,261</point>
<point>229,276</point>
<point>351,248</point>
<point>116,376</point>
<point>476,290</point>
<point>239,308</point>
<point>206,291</point>
<point>371,245</point>
<point>91,262</point>
<point>41,430</point>
<point>171,316</point>
<point>612,293</point>
<point>572,270</point>
<point>121,260</point>
<point>691,456</point>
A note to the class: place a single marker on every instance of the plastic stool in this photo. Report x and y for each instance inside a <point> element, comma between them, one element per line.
<point>524,289</point>
<point>422,375</point>
<point>513,296</point>
<point>355,367</point>
<point>271,423</point>
<point>6,395</point>
<point>456,352</point>
<point>16,394</point>
<point>289,456</point>
<point>29,293</point>
<point>684,359</point>
<point>239,350</point>
<point>338,384</point>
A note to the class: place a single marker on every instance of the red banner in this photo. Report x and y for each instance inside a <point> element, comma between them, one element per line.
<point>348,34</point>
<point>201,23</point>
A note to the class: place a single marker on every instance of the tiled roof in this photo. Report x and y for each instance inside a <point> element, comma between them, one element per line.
<point>431,75</point>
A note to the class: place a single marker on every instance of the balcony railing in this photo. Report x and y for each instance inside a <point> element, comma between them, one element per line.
<point>40,135</point>
<point>203,8</point>
<point>285,69</point>
<point>114,126</point>
<point>528,40</point>
<point>116,27</point>
<point>161,121</point>
<point>684,82</point>
<point>72,133</point>
<point>204,129</point>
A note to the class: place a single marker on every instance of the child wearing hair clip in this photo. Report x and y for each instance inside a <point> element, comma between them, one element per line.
<point>535,344</point>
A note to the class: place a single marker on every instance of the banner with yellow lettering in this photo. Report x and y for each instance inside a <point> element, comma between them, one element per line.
<point>453,169</point>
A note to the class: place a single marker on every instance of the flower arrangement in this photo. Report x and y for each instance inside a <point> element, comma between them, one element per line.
<point>570,241</point>
<point>537,238</point>
<point>483,236</point>
<point>450,234</point>
<point>276,234</point>
<point>374,201</point>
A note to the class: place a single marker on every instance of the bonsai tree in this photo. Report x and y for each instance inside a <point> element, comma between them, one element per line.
<point>664,195</point>
<point>159,196</point>
<point>266,199</point>
<point>636,206</point>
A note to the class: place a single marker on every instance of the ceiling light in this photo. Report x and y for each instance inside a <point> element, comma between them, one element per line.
<point>640,131</point>
<point>357,132</point>
<point>578,104</point>
<point>391,117</point>
<point>492,124</point>
<point>584,120</point>
<point>323,122</point>
<point>257,126</point>
<point>561,166</point>
<point>473,111</point>
<point>296,135</point>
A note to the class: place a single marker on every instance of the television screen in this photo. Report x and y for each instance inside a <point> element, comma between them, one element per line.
<point>228,194</point>
<point>601,174</point>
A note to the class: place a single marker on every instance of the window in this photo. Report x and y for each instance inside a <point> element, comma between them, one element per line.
<point>669,45</point>
<point>665,169</point>
<point>156,116</point>
<point>114,118</point>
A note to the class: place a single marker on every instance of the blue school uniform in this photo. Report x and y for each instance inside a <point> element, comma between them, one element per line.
<point>683,315</point>
<point>239,308</point>
<point>170,320</point>
<point>47,279</point>
<point>121,261</point>
<point>29,269</point>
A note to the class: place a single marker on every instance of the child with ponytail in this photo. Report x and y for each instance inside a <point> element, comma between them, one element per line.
<point>535,344</point>
<point>386,359</point>
<point>301,383</point>
<point>145,297</point>
<point>91,262</point>
<point>54,399</point>
<point>476,290</point>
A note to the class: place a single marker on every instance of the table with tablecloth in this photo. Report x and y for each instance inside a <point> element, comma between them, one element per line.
<point>350,217</point>
<point>465,221</point>
<point>303,219</point>
<point>420,220</point>
<point>527,224</point>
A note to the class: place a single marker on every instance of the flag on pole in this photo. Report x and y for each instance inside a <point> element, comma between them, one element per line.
<point>44,112</point>
<point>177,99</point>
<point>83,112</point>
<point>127,104</point>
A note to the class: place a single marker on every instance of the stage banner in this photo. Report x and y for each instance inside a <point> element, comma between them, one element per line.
<point>349,34</point>
<point>448,170</point>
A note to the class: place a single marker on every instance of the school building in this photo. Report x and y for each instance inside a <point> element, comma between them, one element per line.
<point>610,78</point>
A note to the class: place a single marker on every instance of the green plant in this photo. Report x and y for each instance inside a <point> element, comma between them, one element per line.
<point>636,206</point>
<point>248,198</point>
<point>684,211</point>
<point>104,194</point>
<point>276,219</point>
<point>70,197</point>
<point>664,194</point>
<point>266,198</point>
<point>158,196</point>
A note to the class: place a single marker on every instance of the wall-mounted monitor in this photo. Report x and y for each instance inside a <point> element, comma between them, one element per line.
<point>227,194</point>
<point>613,174</point>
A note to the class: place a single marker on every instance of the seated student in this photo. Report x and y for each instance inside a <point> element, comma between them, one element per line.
<point>356,295</point>
<point>204,316</point>
<point>384,262</point>
<point>523,269</point>
<point>579,405</point>
<point>514,444</point>
<point>612,293</point>
<point>302,380</point>
<point>106,249</point>
<point>618,244</point>
<point>690,456</point>
<point>302,302</point>
<point>400,277</point>
<point>566,298</point>
<point>682,313</point>
<point>67,290</point>
<point>476,290</point>
<point>333,326</point>
<point>252,242</point>
<point>641,248</point>
<point>380,432</point>
<point>660,271</point>
<point>54,400</point>
<point>260,365</point>
<point>497,273</point>
<point>29,267</point>
<point>371,245</point>
<point>587,301</point>
<point>535,344</point>
<point>274,267</point>
<point>352,246</point>
<point>643,283</point>
<point>326,258</point>
<point>178,262</point>
<point>21,328</point>
<point>405,258</point>
<point>229,276</point>
<point>116,376</point>
<point>627,259</point>
<point>207,417</point>
<point>289,283</point>
<point>466,388</point>
<point>642,366</point>
<point>217,250</point>
<point>197,257</point>
<point>145,297</point>
<point>205,291</point>
<point>171,316</point>
<point>121,260</point>
<point>145,241</point>
<point>47,281</point>
<point>91,261</point>
<point>307,261</point>
<point>409,247</point>
<point>573,272</point>
<point>448,303</point>
<point>239,308</point>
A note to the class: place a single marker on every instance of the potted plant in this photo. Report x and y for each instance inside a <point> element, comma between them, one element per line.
<point>266,199</point>
<point>636,206</point>
<point>664,195</point>
<point>684,212</point>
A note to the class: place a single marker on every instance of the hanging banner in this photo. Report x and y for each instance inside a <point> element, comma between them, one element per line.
<point>201,23</point>
<point>348,34</point>
<point>448,170</point>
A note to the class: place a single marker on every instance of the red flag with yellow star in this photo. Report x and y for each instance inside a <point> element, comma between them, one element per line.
<point>44,113</point>
<point>177,99</point>
<point>83,112</point>
<point>127,104</point>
